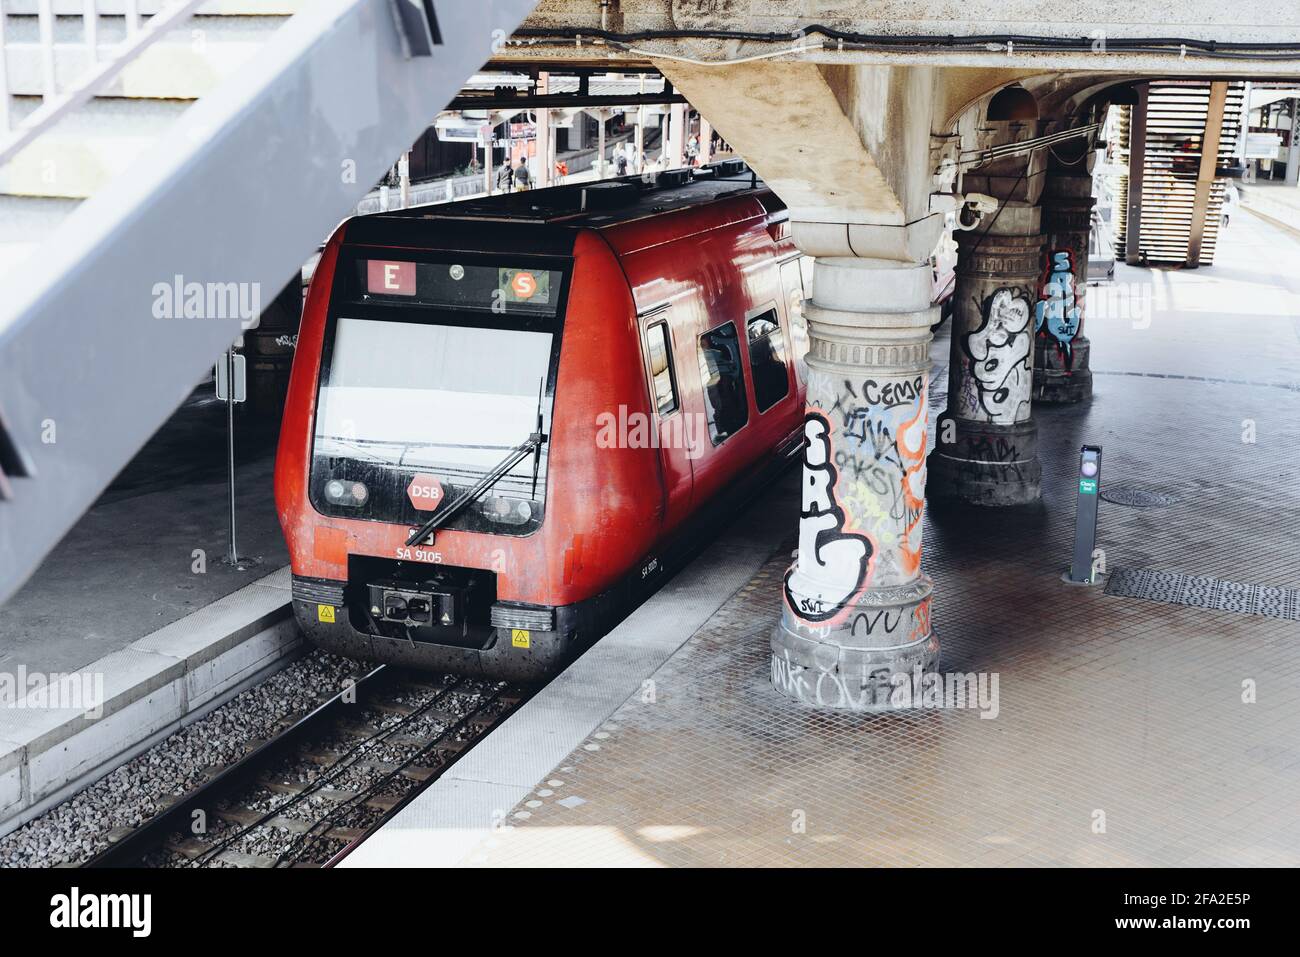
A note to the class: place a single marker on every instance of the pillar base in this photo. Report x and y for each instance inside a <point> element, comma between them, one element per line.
<point>855,662</point>
<point>986,464</point>
<point>1056,384</point>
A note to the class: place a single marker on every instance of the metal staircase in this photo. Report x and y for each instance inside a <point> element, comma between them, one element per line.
<point>157,145</point>
<point>50,47</point>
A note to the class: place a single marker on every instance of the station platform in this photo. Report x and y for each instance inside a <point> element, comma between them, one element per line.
<point>138,607</point>
<point>1274,200</point>
<point>1147,720</point>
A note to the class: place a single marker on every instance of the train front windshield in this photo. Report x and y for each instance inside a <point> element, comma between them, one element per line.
<point>432,373</point>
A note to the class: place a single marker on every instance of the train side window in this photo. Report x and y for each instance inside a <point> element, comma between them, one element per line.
<point>661,368</point>
<point>722,373</point>
<point>767,359</point>
<point>793,283</point>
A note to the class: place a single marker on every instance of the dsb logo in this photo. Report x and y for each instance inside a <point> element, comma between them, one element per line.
<point>425,492</point>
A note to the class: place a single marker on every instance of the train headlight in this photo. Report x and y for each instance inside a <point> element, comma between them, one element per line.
<point>507,511</point>
<point>341,492</point>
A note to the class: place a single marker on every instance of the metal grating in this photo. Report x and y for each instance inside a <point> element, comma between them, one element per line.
<point>1199,591</point>
<point>504,615</point>
<point>317,591</point>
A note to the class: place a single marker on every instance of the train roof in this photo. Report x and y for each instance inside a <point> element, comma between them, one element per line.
<point>545,220</point>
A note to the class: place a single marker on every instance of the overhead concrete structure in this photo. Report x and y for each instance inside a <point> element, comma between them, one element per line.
<point>871,122</point>
<point>1029,36</point>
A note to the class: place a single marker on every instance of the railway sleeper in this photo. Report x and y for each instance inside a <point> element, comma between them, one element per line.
<point>415,684</point>
<point>346,834</point>
<point>392,707</point>
<point>192,848</point>
<point>246,817</point>
<point>322,757</point>
<point>294,787</point>
<point>415,772</point>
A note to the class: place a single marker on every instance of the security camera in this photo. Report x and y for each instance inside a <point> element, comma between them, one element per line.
<point>974,207</point>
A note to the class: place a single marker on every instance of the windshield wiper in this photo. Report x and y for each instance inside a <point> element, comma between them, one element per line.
<point>531,445</point>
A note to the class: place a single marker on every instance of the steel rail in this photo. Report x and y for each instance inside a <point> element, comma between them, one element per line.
<point>152,833</point>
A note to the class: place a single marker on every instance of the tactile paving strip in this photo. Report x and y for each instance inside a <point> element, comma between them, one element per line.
<point>1200,591</point>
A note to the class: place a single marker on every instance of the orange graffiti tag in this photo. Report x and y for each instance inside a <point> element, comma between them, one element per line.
<point>911,450</point>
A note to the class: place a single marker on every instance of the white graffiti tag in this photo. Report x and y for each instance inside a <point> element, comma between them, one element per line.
<point>999,355</point>
<point>832,563</point>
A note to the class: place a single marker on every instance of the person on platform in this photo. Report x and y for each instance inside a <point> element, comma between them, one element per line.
<point>505,177</point>
<point>523,178</point>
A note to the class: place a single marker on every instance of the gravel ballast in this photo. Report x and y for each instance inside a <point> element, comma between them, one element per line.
<point>75,830</point>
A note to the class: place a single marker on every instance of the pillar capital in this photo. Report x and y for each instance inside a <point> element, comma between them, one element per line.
<point>864,234</point>
<point>1012,218</point>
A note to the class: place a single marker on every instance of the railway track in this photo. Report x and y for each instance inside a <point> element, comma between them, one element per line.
<point>326,781</point>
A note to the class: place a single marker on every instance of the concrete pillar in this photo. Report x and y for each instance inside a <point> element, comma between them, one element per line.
<point>1293,148</point>
<point>600,146</point>
<point>986,444</point>
<point>1061,350</point>
<point>673,141</point>
<point>849,149</point>
<point>856,615</point>
<point>543,167</point>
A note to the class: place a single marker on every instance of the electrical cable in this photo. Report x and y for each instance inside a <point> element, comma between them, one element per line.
<point>1180,45</point>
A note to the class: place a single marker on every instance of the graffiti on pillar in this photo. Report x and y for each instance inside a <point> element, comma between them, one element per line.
<point>999,354</point>
<point>837,562</point>
<point>881,453</point>
<point>1058,313</point>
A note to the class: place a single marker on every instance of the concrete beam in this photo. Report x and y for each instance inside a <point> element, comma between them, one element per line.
<point>787,121</point>
<point>846,148</point>
<point>1098,28</point>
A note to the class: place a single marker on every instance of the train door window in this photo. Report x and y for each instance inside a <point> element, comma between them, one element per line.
<point>661,367</point>
<point>767,359</point>
<point>792,282</point>
<point>722,373</point>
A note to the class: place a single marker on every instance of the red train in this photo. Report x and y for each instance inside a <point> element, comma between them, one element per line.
<point>509,417</point>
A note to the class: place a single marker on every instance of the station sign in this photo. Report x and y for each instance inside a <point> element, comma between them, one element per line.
<point>221,374</point>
